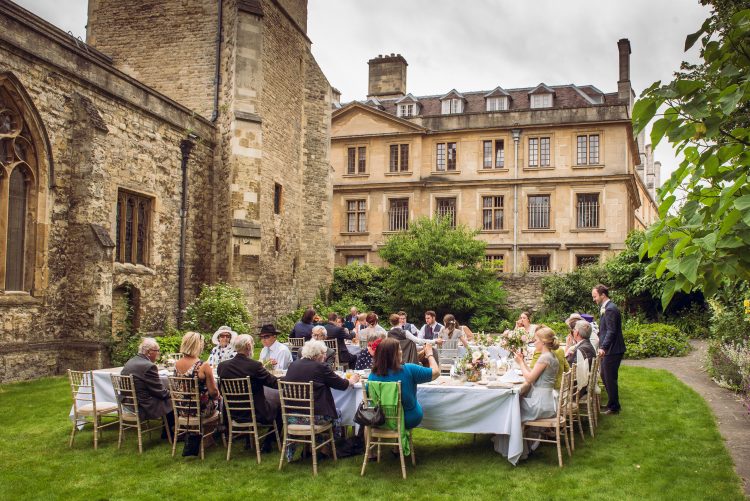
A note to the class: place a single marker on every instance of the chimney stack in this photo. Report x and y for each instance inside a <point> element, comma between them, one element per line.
<point>624,90</point>
<point>387,77</point>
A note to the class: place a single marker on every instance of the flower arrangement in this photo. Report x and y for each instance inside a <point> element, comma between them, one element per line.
<point>485,340</point>
<point>472,363</point>
<point>514,340</point>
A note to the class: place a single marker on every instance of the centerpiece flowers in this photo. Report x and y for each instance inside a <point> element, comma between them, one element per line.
<point>485,340</point>
<point>514,340</point>
<point>471,365</point>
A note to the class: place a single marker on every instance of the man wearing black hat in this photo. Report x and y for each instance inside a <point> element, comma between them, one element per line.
<point>277,353</point>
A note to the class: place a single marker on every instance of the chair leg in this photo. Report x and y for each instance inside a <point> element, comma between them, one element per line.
<point>203,439</point>
<point>276,432</point>
<point>333,446</point>
<point>257,445</point>
<point>580,424</point>
<point>119,435</point>
<point>96,432</point>
<point>567,441</point>
<point>367,452</point>
<point>229,445</point>
<point>176,434</point>
<point>73,431</point>
<point>401,457</point>
<point>569,426</point>
<point>283,451</point>
<point>166,427</point>
<point>559,449</point>
<point>140,438</point>
<point>314,451</point>
<point>378,452</point>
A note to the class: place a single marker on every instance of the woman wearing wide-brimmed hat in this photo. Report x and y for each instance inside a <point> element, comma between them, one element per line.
<point>223,340</point>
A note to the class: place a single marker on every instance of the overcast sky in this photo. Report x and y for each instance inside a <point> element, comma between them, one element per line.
<point>480,44</point>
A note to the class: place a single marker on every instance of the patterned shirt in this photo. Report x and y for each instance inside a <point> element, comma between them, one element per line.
<point>219,354</point>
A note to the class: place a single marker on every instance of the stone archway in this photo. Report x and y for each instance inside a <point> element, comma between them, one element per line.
<point>126,305</point>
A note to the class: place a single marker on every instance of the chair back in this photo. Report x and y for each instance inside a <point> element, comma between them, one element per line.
<point>173,356</point>
<point>449,351</point>
<point>392,413</point>
<point>237,395</point>
<point>565,399</point>
<point>297,399</point>
<point>185,395</point>
<point>334,343</point>
<point>127,400</point>
<point>82,387</point>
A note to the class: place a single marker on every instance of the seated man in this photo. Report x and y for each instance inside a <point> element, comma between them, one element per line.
<point>153,398</point>
<point>319,333</point>
<point>277,353</point>
<point>339,333</point>
<point>263,385</point>
<point>409,354</point>
<point>581,334</point>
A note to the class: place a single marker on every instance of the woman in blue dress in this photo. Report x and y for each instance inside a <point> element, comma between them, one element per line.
<point>387,367</point>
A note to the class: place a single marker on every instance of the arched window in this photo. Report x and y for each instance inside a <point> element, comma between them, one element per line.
<point>17,221</point>
<point>23,189</point>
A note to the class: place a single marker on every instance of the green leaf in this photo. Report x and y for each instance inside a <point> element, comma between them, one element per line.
<point>656,245</point>
<point>666,204</point>
<point>743,203</point>
<point>687,87</point>
<point>689,267</point>
<point>658,130</point>
<point>729,221</point>
<point>729,98</point>
<point>643,111</point>
<point>692,38</point>
<point>667,293</point>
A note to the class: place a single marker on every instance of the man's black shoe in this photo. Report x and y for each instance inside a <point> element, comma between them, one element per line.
<point>610,412</point>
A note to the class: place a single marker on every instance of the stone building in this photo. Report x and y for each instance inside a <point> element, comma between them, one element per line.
<point>551,176</point>
<point>186,142</point>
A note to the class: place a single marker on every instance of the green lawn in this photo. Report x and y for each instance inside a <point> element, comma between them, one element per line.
<point>664,445</point>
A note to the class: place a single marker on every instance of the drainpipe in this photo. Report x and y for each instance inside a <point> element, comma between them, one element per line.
<point>186,146</point>
<point>516,138</point>
<point>217,74</point>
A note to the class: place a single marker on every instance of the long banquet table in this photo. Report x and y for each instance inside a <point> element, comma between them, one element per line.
<point>447,406</point>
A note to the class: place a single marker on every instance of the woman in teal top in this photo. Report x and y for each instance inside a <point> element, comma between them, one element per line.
<point>387,367</point>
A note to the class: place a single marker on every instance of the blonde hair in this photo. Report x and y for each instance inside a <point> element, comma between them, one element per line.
<point>547,337</point>
<point>192,344</point>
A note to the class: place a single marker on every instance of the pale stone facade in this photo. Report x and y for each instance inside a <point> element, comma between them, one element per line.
<point>570,166</point>
<point>106,128</point>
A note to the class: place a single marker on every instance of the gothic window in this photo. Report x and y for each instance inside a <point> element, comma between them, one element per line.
<point>133,228</point>
<point>20,189</point>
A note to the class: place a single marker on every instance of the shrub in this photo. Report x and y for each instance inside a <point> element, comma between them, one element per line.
<point>654,340</point>
<point>724,364</point>
<point>217,305</point>
<point>362,282</point>
<point>694,321</point>
<point>572,291</point>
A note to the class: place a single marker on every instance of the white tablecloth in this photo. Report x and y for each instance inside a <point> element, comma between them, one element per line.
<point>450,408</point>
<point>459,409</point>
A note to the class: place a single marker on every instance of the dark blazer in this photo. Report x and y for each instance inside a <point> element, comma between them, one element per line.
<point>610,331</point>
<point>240,366</point>
<point>408,348</point>
<point>586,348</point>
<point>153,398</point>
<point>303,330</point>
<point>305,370</point>
<point>333,331</point>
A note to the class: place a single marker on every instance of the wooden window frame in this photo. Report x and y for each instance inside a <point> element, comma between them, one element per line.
<point>360,208</point>
<point>123,196</point>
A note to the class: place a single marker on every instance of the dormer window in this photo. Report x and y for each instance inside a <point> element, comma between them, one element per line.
<point>454,105</point>
<point>499,103</point>
<point>541,100</point>
<point>407,106</point>
<point>406,110</point>
<point>452,102</point>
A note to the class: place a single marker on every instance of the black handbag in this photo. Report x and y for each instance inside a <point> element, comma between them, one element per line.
<point>369,416</point>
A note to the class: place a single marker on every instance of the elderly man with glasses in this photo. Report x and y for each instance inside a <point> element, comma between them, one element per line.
<point>153,398</point>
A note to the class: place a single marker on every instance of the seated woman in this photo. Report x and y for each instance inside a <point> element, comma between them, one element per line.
<point>372,326</point>
<point>524,321</point>
<point>223,340</point>
<point>387,367</point>
<point>192,366</point>
<point>304,327</point>
<point>311,366</point>
<point>541,400</point>
<point>452,331</point>
<point>319,333</point>
<point>361,323</point>
<point>559,354</point>
<point>365,358</point>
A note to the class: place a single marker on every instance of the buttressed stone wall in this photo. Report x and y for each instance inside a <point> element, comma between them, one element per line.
<point>107,133</point>
<point>259,176</point>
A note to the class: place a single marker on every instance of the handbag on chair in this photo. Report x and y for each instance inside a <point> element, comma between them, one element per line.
<point>369,416</point>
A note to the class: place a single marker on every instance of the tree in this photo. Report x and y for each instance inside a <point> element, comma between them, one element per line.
<point>435,267</point>
<point>701,240</point>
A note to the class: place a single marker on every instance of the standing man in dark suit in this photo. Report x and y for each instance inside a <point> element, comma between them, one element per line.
<point>263,385</point>
<point>611,345</point>
<point>334,331</point>
<point>153,398</point>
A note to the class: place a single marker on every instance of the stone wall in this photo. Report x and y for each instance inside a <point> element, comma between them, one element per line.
<point>107,132</point>
<point>524,291</point>
<point>169,46</point>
